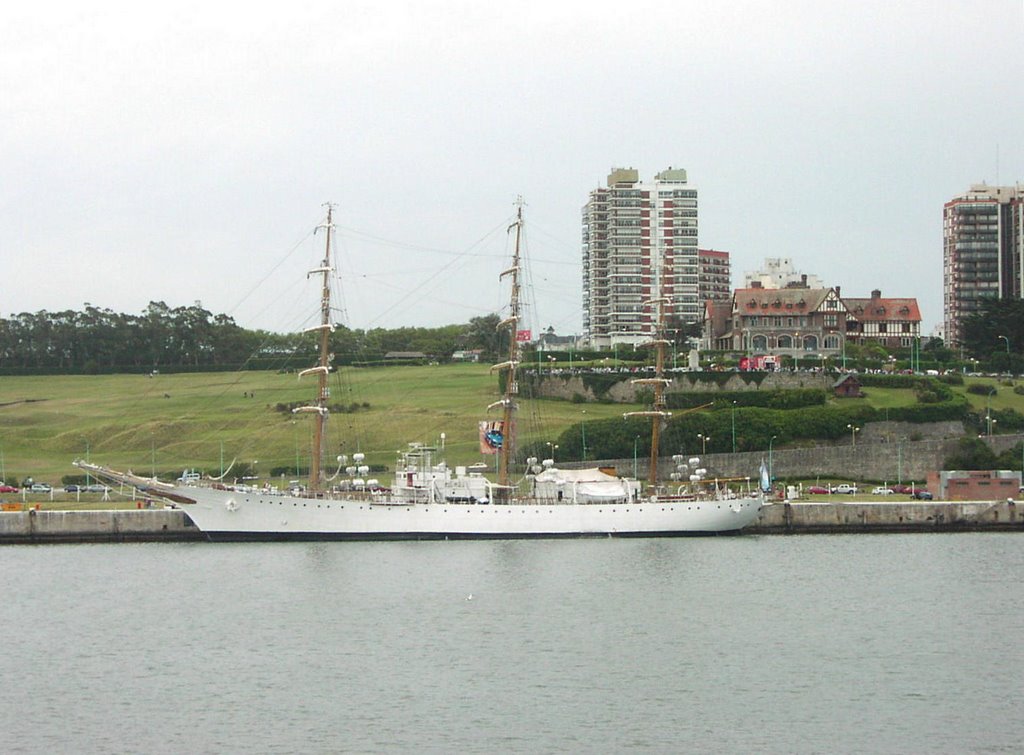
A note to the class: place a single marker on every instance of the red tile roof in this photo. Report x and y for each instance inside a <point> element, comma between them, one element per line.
<point>779,300</point>
<point>883,310</point>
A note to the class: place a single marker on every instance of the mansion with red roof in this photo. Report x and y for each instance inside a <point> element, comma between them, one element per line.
<point>797,320</point>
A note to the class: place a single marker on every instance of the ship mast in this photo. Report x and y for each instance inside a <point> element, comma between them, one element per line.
<point>324,364</point>
<point>510,365</point>
<point>658,412</point>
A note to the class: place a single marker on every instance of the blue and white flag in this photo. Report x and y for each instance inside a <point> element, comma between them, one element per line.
<point>766,483</point>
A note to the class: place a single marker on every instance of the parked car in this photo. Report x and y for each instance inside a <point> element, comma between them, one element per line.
<point>845,488</point>
<point>40,487</point>
<point>817,490</point>
<point>94,488</point>
<point>74,488</point>
<point>881,491</point>
<point>901,489</point>
<point>922,495</point>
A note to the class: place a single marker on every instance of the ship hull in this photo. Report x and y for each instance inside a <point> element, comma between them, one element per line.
<point>229,515</point>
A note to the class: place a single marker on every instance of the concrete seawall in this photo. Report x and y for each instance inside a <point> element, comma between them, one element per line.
<point>127,525</point>
<point>37,527</point>
<point>924,516</point>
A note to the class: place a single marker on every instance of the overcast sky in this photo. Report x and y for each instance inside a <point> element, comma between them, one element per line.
<point>182,152</point>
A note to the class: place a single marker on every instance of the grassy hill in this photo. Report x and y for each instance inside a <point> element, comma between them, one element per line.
<point>170,422</point>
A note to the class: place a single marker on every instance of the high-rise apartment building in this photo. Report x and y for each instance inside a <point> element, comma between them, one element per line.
<point>714,275</point>
<point>982,251</point>
<point>639,241</point>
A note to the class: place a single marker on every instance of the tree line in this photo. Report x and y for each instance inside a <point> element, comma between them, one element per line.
<point>97,340</point>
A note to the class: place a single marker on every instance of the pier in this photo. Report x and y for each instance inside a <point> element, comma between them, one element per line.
<point>781,518</point>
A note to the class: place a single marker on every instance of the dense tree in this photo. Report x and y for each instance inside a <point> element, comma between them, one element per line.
<point>191,338</point>
<point>995,332</point>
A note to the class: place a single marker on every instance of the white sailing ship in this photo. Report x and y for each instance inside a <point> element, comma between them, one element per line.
<point>429,500</point>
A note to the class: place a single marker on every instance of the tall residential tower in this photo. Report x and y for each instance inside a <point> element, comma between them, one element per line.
<point>639,240</point>
<point>982,251</point>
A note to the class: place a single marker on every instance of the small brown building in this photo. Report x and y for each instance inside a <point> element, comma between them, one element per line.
<point>847,386</point>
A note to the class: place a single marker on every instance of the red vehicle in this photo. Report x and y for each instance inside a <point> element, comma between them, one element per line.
<point>8,489</point>
<point>767,363</point>
<point>817,490</point>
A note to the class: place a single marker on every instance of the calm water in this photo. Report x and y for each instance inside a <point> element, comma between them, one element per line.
<point>753,644</point>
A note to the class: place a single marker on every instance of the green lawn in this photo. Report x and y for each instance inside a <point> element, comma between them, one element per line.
<point>170,422</point>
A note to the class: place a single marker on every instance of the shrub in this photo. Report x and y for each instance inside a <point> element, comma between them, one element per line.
<point>971,453</point>
<point>980,389</point>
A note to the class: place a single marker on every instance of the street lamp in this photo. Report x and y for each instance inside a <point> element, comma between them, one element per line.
<point>636,440</point>
<point>734,427</point>
<point>86,460</point>
<point>703,442</point>
<point>584,430</point>
<point>1007,344</point>
<point>853,434</point>
<point>771,473</point>
<point>553,447</point>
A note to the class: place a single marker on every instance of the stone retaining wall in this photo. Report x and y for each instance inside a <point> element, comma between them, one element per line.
<point>872,460</point>
<point>567,385</point>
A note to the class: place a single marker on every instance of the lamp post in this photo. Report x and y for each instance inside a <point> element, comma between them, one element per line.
<point>734,427</point>
<point>553,447</point>
<point>86,459</point>
<point>636,440</point>
<point>853,434</point>
<point>584,430</point>
<point>771,472</point>
<point>1007,344</point>
<point>703,442</point>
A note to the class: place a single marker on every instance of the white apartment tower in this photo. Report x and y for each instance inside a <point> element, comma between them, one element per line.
<point>639,240</point>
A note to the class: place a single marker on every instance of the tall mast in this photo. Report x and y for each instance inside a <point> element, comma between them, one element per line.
<point>510,365</point>
<point>324,363</point>
<point>658,411</point>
